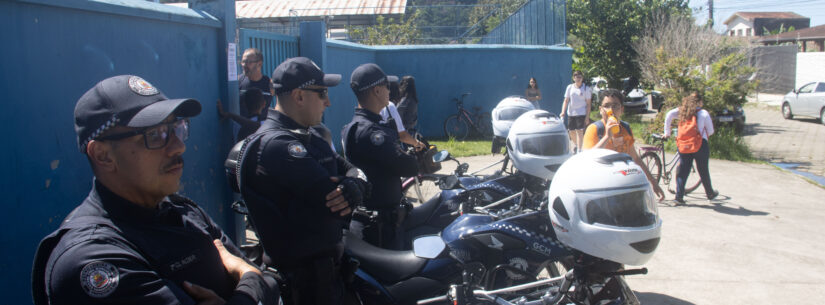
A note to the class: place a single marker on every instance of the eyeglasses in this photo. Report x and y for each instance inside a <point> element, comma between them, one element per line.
<point>322,92</point>
<point>249,61</point>
<point>612,105</point>
<point>155,137</point>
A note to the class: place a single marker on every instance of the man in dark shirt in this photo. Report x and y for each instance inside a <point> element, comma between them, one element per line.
<point>376,149</point>
<point>133,240</point>
<point>252,77</point>
<point>297,190</point>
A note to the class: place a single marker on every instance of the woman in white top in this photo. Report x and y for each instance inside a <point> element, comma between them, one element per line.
<point>692,106</point>
<point>577,108</point>
<point>391,111</point>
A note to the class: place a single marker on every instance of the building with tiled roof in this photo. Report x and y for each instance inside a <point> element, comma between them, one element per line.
<point>755,23</point>
<point>810,39</point>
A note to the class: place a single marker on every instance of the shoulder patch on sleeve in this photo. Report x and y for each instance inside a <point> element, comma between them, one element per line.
<point>297,150</point>
<point>377,138</point>
<point>99,279</point>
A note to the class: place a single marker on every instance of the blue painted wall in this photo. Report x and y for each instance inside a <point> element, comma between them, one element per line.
<point>442,72</point>
<point>56,50</point>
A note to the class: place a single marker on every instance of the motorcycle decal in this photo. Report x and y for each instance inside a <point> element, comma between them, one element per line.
<point>495,243</point>
<point>520,231</point>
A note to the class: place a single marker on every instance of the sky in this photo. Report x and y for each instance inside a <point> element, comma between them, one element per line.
<point>722,9</point>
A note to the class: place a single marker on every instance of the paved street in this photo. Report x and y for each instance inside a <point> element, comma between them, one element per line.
<point>775,139</point>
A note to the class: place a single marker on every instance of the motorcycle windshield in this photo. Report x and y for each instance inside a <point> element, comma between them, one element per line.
<point>631,209</point>
<point>545,145</point>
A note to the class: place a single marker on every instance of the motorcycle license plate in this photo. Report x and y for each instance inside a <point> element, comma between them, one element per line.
<point>725,119</point>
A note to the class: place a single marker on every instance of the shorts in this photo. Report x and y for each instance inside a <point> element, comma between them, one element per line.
<point>575,122</point>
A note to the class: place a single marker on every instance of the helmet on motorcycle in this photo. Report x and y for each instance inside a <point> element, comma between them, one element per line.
<point>231,166</point>
<point>602,204</point>
<point>507,111</point>
<point>538,143</point>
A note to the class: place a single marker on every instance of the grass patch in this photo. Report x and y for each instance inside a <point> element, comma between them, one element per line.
<point>725,144</point>
<point>464,148</point>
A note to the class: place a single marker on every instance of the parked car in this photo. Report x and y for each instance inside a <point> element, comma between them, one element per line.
<point>808,100</point>
<point>637,98</point>
<point>726,117</point>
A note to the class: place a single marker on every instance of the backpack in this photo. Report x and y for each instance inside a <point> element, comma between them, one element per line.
<point>688,139</point>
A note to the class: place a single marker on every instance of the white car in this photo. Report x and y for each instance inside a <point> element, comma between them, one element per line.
<point>808,100</point>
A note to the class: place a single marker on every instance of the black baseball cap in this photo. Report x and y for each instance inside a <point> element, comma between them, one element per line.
<point>367,76</point>
<point>301,72</point>
<point>125,100</point>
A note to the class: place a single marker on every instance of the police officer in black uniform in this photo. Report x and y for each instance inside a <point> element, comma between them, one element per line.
<point>297,190</point>
<point>133,240</point>
<point>376,149</point>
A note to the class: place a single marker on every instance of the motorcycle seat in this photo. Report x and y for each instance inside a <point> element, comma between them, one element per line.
<point>387,266</point>
<point>422,213</point>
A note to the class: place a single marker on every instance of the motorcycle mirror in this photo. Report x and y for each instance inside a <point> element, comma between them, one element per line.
<point>428,246</point>
<point>441,156</point>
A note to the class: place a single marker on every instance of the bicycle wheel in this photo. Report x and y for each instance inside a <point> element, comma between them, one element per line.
<point>654,165</point>
<point>693,180</point>
<point>455,127</point>
<point>421,191</point>
<point>484,122</point>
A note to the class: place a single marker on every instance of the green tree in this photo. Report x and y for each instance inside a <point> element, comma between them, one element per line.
<point>493,13</point>
<point>780,30</point>
<point>607,29</point>
<point>388,32</point>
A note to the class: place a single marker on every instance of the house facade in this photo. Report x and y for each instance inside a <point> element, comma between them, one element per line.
<point>749,24</point>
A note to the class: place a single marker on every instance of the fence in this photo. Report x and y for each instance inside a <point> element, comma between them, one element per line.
<point>537,22</point>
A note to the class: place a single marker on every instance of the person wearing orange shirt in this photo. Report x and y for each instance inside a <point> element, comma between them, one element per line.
<point>598,134</point>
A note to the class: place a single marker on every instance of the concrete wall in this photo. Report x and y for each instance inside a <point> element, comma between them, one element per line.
<point>776,67</point>
<point>56,50</point>
<point>809,68</point>
<point>489,72</point>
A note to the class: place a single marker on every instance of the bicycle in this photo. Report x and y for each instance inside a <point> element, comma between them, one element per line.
<point>653,161</point>
<point>458,125</point>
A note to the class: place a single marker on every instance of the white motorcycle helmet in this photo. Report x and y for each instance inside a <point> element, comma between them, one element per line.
<point>602,204</point>
<point>538,143</point>
<point>507,111</point>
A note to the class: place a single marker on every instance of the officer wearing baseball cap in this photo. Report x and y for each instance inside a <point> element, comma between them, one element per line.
<point>298,191</point>
<point>376,149</point>
<point>133,240</point>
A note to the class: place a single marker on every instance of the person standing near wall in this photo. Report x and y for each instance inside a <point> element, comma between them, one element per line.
<point>576,107</point>
<point>252,77</point>
<point>695,126</point>
<point>532,93</point>
<point>408,106</point>
<point>390,116</point>
<point>134,240</point>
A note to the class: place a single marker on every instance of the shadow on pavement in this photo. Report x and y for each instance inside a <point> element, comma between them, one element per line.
<point>659,299</point>
<point>721,204</point>
<point>756,128</point>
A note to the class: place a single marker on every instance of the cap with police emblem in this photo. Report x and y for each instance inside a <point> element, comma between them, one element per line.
<point>125,100</point>
<point>301,72</point>
<point>367,76</point>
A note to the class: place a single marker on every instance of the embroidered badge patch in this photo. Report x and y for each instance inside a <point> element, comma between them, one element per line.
<point>377,138</point>
<point>99,279</point>
<point>142,87</point>
<point>297,150</point>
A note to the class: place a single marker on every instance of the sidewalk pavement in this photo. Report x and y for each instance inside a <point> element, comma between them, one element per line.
<point>759,242</point>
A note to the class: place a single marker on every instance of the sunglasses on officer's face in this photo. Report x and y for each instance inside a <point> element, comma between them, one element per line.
<point>155,137</point>
<point>322,92</point>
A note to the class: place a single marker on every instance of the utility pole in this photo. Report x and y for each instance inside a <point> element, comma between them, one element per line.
<point>710,13</point>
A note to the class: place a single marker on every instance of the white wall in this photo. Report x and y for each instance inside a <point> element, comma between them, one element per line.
<point>739,24</point>
<point>810,67</point>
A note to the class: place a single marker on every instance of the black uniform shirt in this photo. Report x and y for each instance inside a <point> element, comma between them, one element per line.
<point>376,149</point>
<point>292,169</point>
<point>117,252</point>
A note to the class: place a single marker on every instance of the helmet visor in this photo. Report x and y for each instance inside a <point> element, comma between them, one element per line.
<point>510,114</point>
<point>631,209</point>
<point>545,145</point>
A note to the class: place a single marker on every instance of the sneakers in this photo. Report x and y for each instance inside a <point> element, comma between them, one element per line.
<point>712,196</point>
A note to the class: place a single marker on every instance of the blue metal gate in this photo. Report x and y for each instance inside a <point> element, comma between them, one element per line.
<point>275,47</point>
